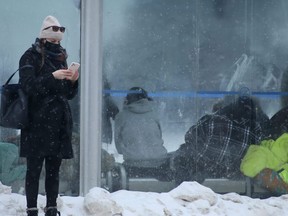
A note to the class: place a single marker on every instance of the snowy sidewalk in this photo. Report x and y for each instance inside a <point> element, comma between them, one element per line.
<point>188,199</point>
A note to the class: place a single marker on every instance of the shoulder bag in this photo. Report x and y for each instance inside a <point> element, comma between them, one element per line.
<point>14,105</point>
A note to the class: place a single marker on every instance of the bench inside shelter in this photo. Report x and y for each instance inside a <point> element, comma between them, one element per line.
<point>119,179</point>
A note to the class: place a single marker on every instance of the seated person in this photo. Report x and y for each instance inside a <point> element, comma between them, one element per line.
<point>214,147</point>
<point>267,163</point>
<point>138,135</point>
<point>109,111</point>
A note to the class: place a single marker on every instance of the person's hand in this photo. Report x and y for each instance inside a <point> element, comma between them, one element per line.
<point>62,74</point>
<point>66,74</point>
<point>75,76</point>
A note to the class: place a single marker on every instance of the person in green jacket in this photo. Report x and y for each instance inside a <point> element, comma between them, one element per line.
<point>267,164</point>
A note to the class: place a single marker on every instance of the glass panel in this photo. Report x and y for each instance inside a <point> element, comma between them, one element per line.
<point>193,58</point>
<point>20,32</point>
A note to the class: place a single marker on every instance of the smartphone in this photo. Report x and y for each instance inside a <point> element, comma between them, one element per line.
<point>74,66</point>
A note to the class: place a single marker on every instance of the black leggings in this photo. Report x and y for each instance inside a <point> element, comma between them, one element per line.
<point>34,167</point>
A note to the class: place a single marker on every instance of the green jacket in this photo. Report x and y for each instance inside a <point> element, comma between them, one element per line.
<point>272,154</point>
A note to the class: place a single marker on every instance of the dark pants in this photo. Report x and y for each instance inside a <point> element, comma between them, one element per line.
<point>34,167</point>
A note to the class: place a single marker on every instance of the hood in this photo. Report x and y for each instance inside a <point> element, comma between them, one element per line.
<point>140,106</point>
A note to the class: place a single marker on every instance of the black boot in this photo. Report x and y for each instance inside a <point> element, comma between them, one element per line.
<point>51,211</point>
<point>32,211</point>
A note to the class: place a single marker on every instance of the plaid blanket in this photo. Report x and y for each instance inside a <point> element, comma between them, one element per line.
<point>214,148</point>
<point>218,142</point>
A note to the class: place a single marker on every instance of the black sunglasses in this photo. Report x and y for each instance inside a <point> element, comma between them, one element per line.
<point>56,28</point>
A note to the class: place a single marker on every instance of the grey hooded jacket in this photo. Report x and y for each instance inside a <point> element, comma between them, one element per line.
<point>138,135</point>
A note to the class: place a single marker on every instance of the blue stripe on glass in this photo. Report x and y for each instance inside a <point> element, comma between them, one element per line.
<point>201,94</point>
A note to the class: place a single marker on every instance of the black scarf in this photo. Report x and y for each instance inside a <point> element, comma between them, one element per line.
<point>54,52</point>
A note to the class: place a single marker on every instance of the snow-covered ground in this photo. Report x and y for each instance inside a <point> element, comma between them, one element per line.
<point>188,199</point>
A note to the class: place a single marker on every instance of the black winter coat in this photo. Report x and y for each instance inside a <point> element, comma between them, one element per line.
<point>50,130</point>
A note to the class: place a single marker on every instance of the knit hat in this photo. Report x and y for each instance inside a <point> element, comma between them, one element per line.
<point>49,33</point>
<point>136,94</point>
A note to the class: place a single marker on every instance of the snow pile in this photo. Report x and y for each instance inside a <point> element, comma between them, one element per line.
<point>190,198</point>
<point>100,202</point>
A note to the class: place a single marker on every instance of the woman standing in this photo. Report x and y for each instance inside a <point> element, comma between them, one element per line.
<point>49,86</point>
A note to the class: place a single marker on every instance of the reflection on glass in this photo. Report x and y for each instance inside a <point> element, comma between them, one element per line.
<point>189,55</point>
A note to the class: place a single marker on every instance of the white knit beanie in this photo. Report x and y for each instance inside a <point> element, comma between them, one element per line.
<point>49,33</point>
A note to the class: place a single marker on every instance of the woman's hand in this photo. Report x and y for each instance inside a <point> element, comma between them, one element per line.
<point>66,74</point>
<point>75,76</point>
<point>62,74</point>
